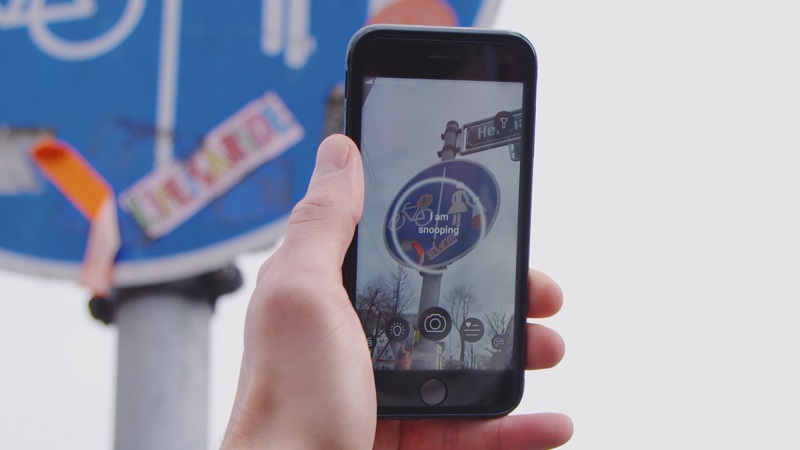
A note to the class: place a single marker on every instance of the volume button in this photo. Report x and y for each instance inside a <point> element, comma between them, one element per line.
<point>346,82</point>
<point>344,116</point>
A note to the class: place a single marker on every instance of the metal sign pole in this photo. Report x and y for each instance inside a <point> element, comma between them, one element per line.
<point>163,365</point>
<point>425,350</point>
<point>432,282</point>
<point>162,372</point>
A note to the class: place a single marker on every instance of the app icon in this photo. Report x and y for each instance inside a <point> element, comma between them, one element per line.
<point>504,123</point>
<point>396,329</point>
<point>499,341</point>
<point>472,329</point>
<point>435,323</point>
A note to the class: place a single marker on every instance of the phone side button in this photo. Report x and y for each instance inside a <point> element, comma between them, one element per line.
<point>433,392</point>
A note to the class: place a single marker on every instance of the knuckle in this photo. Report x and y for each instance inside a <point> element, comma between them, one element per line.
<point>316,206</point>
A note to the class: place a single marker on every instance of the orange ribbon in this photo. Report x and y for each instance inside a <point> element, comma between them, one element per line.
<point>91,194</point>
<point>72,175</point>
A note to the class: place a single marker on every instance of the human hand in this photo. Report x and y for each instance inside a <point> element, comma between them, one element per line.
<point>306,378</point>
<point>545,348</point>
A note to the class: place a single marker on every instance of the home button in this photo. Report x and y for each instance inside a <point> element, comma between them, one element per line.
<point>433,392</point>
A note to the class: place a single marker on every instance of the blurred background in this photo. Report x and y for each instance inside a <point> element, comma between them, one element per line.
<point>665,204</point>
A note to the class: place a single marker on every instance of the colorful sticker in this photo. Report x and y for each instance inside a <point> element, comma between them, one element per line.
<point>256,134</point>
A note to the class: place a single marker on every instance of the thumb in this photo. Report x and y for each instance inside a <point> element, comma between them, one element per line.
<point>321,225</point>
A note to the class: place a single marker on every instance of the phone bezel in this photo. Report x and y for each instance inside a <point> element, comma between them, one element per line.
<point>450,54</point>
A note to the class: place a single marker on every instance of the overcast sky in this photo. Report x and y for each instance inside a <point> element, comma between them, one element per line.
<point>665,203</point>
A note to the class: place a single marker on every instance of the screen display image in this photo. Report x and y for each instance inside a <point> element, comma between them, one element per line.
<point>437,244</point>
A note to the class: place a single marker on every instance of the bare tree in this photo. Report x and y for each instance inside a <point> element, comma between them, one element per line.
<point>401,296</point>
<point>371,303</point>
<point>496,323</point>
<point>461,299</point>
<point>379,301</point>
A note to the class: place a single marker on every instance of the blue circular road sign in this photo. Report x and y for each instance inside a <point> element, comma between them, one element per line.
<point>441,214</point>
<point>203,117</point>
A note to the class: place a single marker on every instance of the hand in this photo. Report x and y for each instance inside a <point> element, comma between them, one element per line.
<point>530,431</point>
<point>306,379</point>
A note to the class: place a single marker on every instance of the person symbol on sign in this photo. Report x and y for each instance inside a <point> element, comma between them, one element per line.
<point>459,206</point>
<point>460,202</point>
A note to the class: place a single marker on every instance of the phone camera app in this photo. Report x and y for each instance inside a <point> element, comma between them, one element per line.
<point>435,324</point>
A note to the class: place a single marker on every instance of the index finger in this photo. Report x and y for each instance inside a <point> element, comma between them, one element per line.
<point>544,295</point>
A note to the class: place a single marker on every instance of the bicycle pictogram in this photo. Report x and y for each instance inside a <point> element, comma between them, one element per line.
<point>420,217</point>
<point>37,15</point>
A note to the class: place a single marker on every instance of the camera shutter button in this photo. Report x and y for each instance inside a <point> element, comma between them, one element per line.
<point>434,324</point>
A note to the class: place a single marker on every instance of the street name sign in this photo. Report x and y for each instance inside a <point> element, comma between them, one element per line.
<point>504,128</point>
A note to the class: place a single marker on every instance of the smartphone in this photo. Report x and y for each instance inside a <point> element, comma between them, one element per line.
<point>437,269</point>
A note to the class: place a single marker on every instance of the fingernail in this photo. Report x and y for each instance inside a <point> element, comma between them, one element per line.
<point>331,156</point>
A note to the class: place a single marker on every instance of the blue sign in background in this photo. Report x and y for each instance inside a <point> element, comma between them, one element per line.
<point>441,214</point>
<point>104,103</point>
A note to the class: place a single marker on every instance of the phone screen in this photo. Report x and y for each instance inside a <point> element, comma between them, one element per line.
<point>437,245</point>
<point>437,270</point>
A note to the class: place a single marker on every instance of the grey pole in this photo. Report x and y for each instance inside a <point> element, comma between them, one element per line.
<point>424,356</point>
<point>162,372</point>
<point>163,362</point>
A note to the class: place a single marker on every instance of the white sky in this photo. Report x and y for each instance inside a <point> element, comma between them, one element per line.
<point>665,203</point>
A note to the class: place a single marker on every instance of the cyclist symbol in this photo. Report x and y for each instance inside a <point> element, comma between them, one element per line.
<point>420,214</point>
<point>36,15</point>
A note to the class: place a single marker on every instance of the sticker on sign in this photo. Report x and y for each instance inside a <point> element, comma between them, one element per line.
<point>259,132</point>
